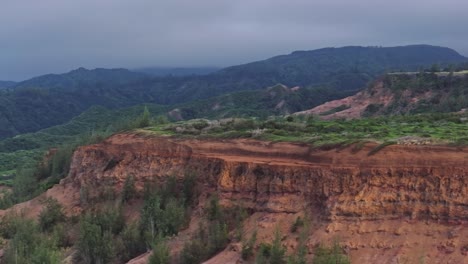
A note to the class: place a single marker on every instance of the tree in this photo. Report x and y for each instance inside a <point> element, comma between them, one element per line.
<point>28,245</point>
<point>132,241</point>
<point>248,247</point>
<point>150,218</point>
<point>160,252</point>
<point>51,214</point>
<point>145,118</point>
<point>277,250</point>
<point>128,191</point>
<point>173,217</point>
<point>94,243</point>
<point>330,255</point>
<point>435,68</point>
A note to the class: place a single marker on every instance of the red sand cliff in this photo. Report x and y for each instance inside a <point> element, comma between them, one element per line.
<point>405,203</point>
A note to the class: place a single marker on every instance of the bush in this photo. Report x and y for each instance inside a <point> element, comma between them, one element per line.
<point>278,251</point>
<point>95,243</point>
<point>145,119</point>
<point>189,188</point>
<point>51,214</point>
<point>28,245</point>
<point>160,253</point>
<point>129,191</point>
<point>298,223</point>
<point>248,247</point>
<point>133,242</point>
<point>330,255</point>
<point>205,243</point>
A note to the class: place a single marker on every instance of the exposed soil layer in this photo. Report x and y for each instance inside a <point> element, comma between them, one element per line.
<point>405,203</point>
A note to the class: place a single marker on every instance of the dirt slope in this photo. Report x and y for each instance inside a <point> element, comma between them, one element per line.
<point>405,203</point>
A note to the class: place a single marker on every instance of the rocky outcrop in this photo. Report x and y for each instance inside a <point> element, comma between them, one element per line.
<point>425,182</point>
<point>404,202</point>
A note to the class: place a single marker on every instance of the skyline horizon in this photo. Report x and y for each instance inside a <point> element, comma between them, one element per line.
<point>189,66</point>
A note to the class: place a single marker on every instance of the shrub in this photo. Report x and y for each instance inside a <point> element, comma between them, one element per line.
<point>333,254</point>
<point>248,247</point>
<point>133,242</point>
<point>51,214</point>
<point>145,119</point>
<point>298,223</point>
<point>278,251</point>
<point>129,191</point>
<point>95,244</point>
<point>28,245</point>
<point>160,253</point>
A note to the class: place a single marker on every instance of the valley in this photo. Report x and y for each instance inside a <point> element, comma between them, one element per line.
<point>336,155</point>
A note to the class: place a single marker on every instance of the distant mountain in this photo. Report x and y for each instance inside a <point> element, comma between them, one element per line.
<point>53,99</point>
<point>82,78</point>
<point>344,68</point>
<point>6,84</point>
<point>176,71</point>
<point>347,68</point>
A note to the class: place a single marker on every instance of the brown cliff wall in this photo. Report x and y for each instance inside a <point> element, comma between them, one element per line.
<point>405,202</point>
<point>416,182</point>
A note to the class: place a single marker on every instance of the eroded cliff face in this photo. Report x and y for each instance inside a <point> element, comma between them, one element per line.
<point>428,183</point>
<point>405,203</point>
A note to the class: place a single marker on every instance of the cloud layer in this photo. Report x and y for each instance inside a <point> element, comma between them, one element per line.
<point>38,37</point>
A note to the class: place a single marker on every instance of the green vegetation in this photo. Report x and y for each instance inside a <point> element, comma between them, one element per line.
<point>442,128</point>
<point>102,234</point>
<point>90,127</point>
<point>248,246</point>
<point>31,178</point>
<point>437,93</point>
<point>160,253</point>
<point>52,99</point>
<point>28,245</point>
<point>51,215</point>
<point>211,237</point>
<point>274,253</point>
<point>330,255</point>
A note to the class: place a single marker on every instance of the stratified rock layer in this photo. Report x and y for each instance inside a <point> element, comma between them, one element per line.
<point>403,203</point>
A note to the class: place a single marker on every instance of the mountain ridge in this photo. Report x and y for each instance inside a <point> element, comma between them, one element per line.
<point>49,100</point>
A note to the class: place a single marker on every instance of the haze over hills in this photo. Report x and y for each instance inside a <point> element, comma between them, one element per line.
<point>82,78</point>
<point>53,99</point>
<point>6,84</point>
<point>220,156</point>
<point>176,71</point>
<point>233,132</point>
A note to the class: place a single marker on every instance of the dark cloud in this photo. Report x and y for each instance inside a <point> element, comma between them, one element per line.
<point>38,37</point>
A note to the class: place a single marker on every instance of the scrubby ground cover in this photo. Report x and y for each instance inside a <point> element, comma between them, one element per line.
<point>422,129</point>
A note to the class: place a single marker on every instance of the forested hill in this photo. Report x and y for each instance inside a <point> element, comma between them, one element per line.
<point>83,78</point>
<point>6,84</point>
<point>176,71</point>
<point>345,68</point>
<point>55,98</point>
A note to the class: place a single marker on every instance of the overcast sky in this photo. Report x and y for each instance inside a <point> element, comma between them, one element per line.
<point>54,36</point>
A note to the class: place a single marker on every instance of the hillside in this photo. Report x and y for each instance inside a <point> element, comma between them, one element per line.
<point>276,100</point>
<point>392,206</point>
<point>6,84</point>
<point>402,93</point>
<point>54,99</point>
<point>176,71</point>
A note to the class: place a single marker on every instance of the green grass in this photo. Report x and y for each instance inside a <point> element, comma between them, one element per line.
<point>439,128</point>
